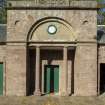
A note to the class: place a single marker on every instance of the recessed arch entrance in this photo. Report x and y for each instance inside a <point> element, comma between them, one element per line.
<point>51,51</point>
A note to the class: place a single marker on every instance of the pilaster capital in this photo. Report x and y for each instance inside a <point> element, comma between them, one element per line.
<point>65,46</point>
<point>37,46</point>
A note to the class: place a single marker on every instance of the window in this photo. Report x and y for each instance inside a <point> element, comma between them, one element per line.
<point>52,29</point>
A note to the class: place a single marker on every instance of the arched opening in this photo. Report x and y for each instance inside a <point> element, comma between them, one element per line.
<point>63,28</point>
<point>51,52</point>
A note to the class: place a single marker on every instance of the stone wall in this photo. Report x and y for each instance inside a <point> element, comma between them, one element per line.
<point>16,70</point>
<point>83,22</point>
<point>2,53</point>
<point>101,54</point>
<point>85,70</point>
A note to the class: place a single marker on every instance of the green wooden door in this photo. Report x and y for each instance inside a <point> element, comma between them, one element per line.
<point>47,79</point>
<point>51,79</point>
<point>56,79</point>
<point>1,78</point>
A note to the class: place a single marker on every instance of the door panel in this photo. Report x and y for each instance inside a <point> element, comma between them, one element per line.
<point>56,79</point>
<point>47,80</point>
<point>1,78</point>
<point>51,78</point>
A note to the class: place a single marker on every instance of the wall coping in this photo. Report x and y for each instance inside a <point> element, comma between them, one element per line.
<point>52,4</point>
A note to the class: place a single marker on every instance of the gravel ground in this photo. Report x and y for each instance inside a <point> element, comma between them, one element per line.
<point>47,100</point>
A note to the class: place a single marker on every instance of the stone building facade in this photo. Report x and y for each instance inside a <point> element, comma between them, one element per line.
<point>51,49</point>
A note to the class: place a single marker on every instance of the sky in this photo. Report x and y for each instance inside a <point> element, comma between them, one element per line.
<point>103,9</point>
<point>102,2</point>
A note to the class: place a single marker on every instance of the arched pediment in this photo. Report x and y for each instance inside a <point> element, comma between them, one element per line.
<point>52,30</point>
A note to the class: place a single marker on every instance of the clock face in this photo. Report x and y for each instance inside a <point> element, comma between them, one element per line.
<point>52,29</point>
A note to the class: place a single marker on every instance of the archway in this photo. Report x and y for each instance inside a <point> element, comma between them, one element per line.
<point>52,40</point>
<point>64,30</point>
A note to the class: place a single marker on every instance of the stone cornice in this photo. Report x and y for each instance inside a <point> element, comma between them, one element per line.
<point>52,4</point>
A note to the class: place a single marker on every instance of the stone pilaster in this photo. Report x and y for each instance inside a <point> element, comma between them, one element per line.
<point>65,71</point>
<point>37,74</point>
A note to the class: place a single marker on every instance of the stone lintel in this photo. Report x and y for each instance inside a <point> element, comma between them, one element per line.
<point>90,4</point>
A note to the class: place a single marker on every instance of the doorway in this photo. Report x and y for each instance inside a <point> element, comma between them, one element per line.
<point>51,79</point>
<point>102,78</point>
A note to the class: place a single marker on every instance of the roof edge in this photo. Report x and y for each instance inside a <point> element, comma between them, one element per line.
<point>52,4</point>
